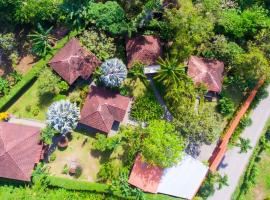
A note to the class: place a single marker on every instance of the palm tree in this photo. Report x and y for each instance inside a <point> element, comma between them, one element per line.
<point>42,40</point>
<point>170,72</point>
<point>222,181</point>
<point>136,72</point>
<point>244,145</point>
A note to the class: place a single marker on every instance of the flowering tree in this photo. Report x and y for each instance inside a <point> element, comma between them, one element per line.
<point>113,72</point>
<point>63,116</point>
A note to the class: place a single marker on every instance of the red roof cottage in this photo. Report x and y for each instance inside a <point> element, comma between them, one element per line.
<point>20,150</point>
<point>73,61</point>
<point>206,71</point>
<point>146,49</point>
<point>181,180</point>
<point>102,107</point>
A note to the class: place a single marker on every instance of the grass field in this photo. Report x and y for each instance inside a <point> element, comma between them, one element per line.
<point>79,149</point>
<point>261,190</point>
<point>30,100</point>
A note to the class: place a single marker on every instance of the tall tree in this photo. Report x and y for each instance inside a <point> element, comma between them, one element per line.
<point>161,145</point>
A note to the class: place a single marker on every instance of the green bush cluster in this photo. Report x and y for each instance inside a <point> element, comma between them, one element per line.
<point>98,43</point>
<point>146,108</point>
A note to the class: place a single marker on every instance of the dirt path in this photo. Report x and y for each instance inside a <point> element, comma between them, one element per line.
<point>25,64</point>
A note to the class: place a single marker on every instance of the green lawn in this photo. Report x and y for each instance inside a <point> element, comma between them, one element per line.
<point>30,100</point>
<point>80,149</point>
<point>261,190</point>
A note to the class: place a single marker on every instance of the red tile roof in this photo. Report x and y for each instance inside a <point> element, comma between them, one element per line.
<point>144,176</point>
<point>145,48</point>
<point>102,107</point>
<point>73,61</point>
<point>207,71</point>
<point>20,150</point>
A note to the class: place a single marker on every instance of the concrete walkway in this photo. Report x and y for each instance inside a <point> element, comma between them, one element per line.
<point>234,163</point>
<point>29,122</point>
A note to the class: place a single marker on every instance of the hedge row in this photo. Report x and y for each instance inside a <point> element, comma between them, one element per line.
<point>70,184</point>
<point>32,74</point>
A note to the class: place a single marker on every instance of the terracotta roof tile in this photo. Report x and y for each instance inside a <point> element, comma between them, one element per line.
<point>145,48</point>
<point>206,71</point>
<point>102,107</point>
<point>73,61</point>
<point>19,149</point>
<point>144,176</point>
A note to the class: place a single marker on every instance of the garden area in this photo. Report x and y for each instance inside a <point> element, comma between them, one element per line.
<point>54,52</point>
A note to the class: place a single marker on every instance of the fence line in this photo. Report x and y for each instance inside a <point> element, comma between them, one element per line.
<point>222,146</point>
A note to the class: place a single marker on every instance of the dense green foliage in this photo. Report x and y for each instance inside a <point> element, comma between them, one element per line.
<point>146,108</point>
<point>108,16</point>
<point>98,43</point>
<point>162,145</point>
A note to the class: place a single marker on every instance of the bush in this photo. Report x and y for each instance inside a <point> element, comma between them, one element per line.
<point>107,16</point>
<point>65,169</point>
<point>35,110</point>
<point>98,43</point>
<point>146,108</point>
<point>78,171</point>
<point>52,157</point>
<point>226,106</point>
<point>47,135</point>
<point>106,173</point>
<point>4,86</point>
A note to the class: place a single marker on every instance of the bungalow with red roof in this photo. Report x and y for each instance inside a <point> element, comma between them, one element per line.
<point>182,180</point>
<point>102,108</point>
<point>73,61</point>
<point>20,150</point>
<point>145,48</point>
<point>208,72</point>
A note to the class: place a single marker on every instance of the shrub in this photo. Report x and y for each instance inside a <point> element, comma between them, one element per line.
<point>226,106</point>
<point>48,82</point>
<point>113,73</point>
<point>78,171</point>
<point>63,86</point>
<point>107,16</point>
<point>98,43</point>
<point>47,135</point>
<point>146,108</point>
<point>106,172</point>
<point>35,110</point>
<point>52,157</point>
<point>63,116</point>
<point>65,169</point>
<point>75,97</point>
<point>4,86</point>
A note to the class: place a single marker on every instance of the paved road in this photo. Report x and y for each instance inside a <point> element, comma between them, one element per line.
<point>234,163</point>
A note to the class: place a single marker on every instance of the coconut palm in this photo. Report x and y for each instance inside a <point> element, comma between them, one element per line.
<point>42,40</point>
<point>136,72</point>
<point>171,72</point>
<point>244,145</point>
